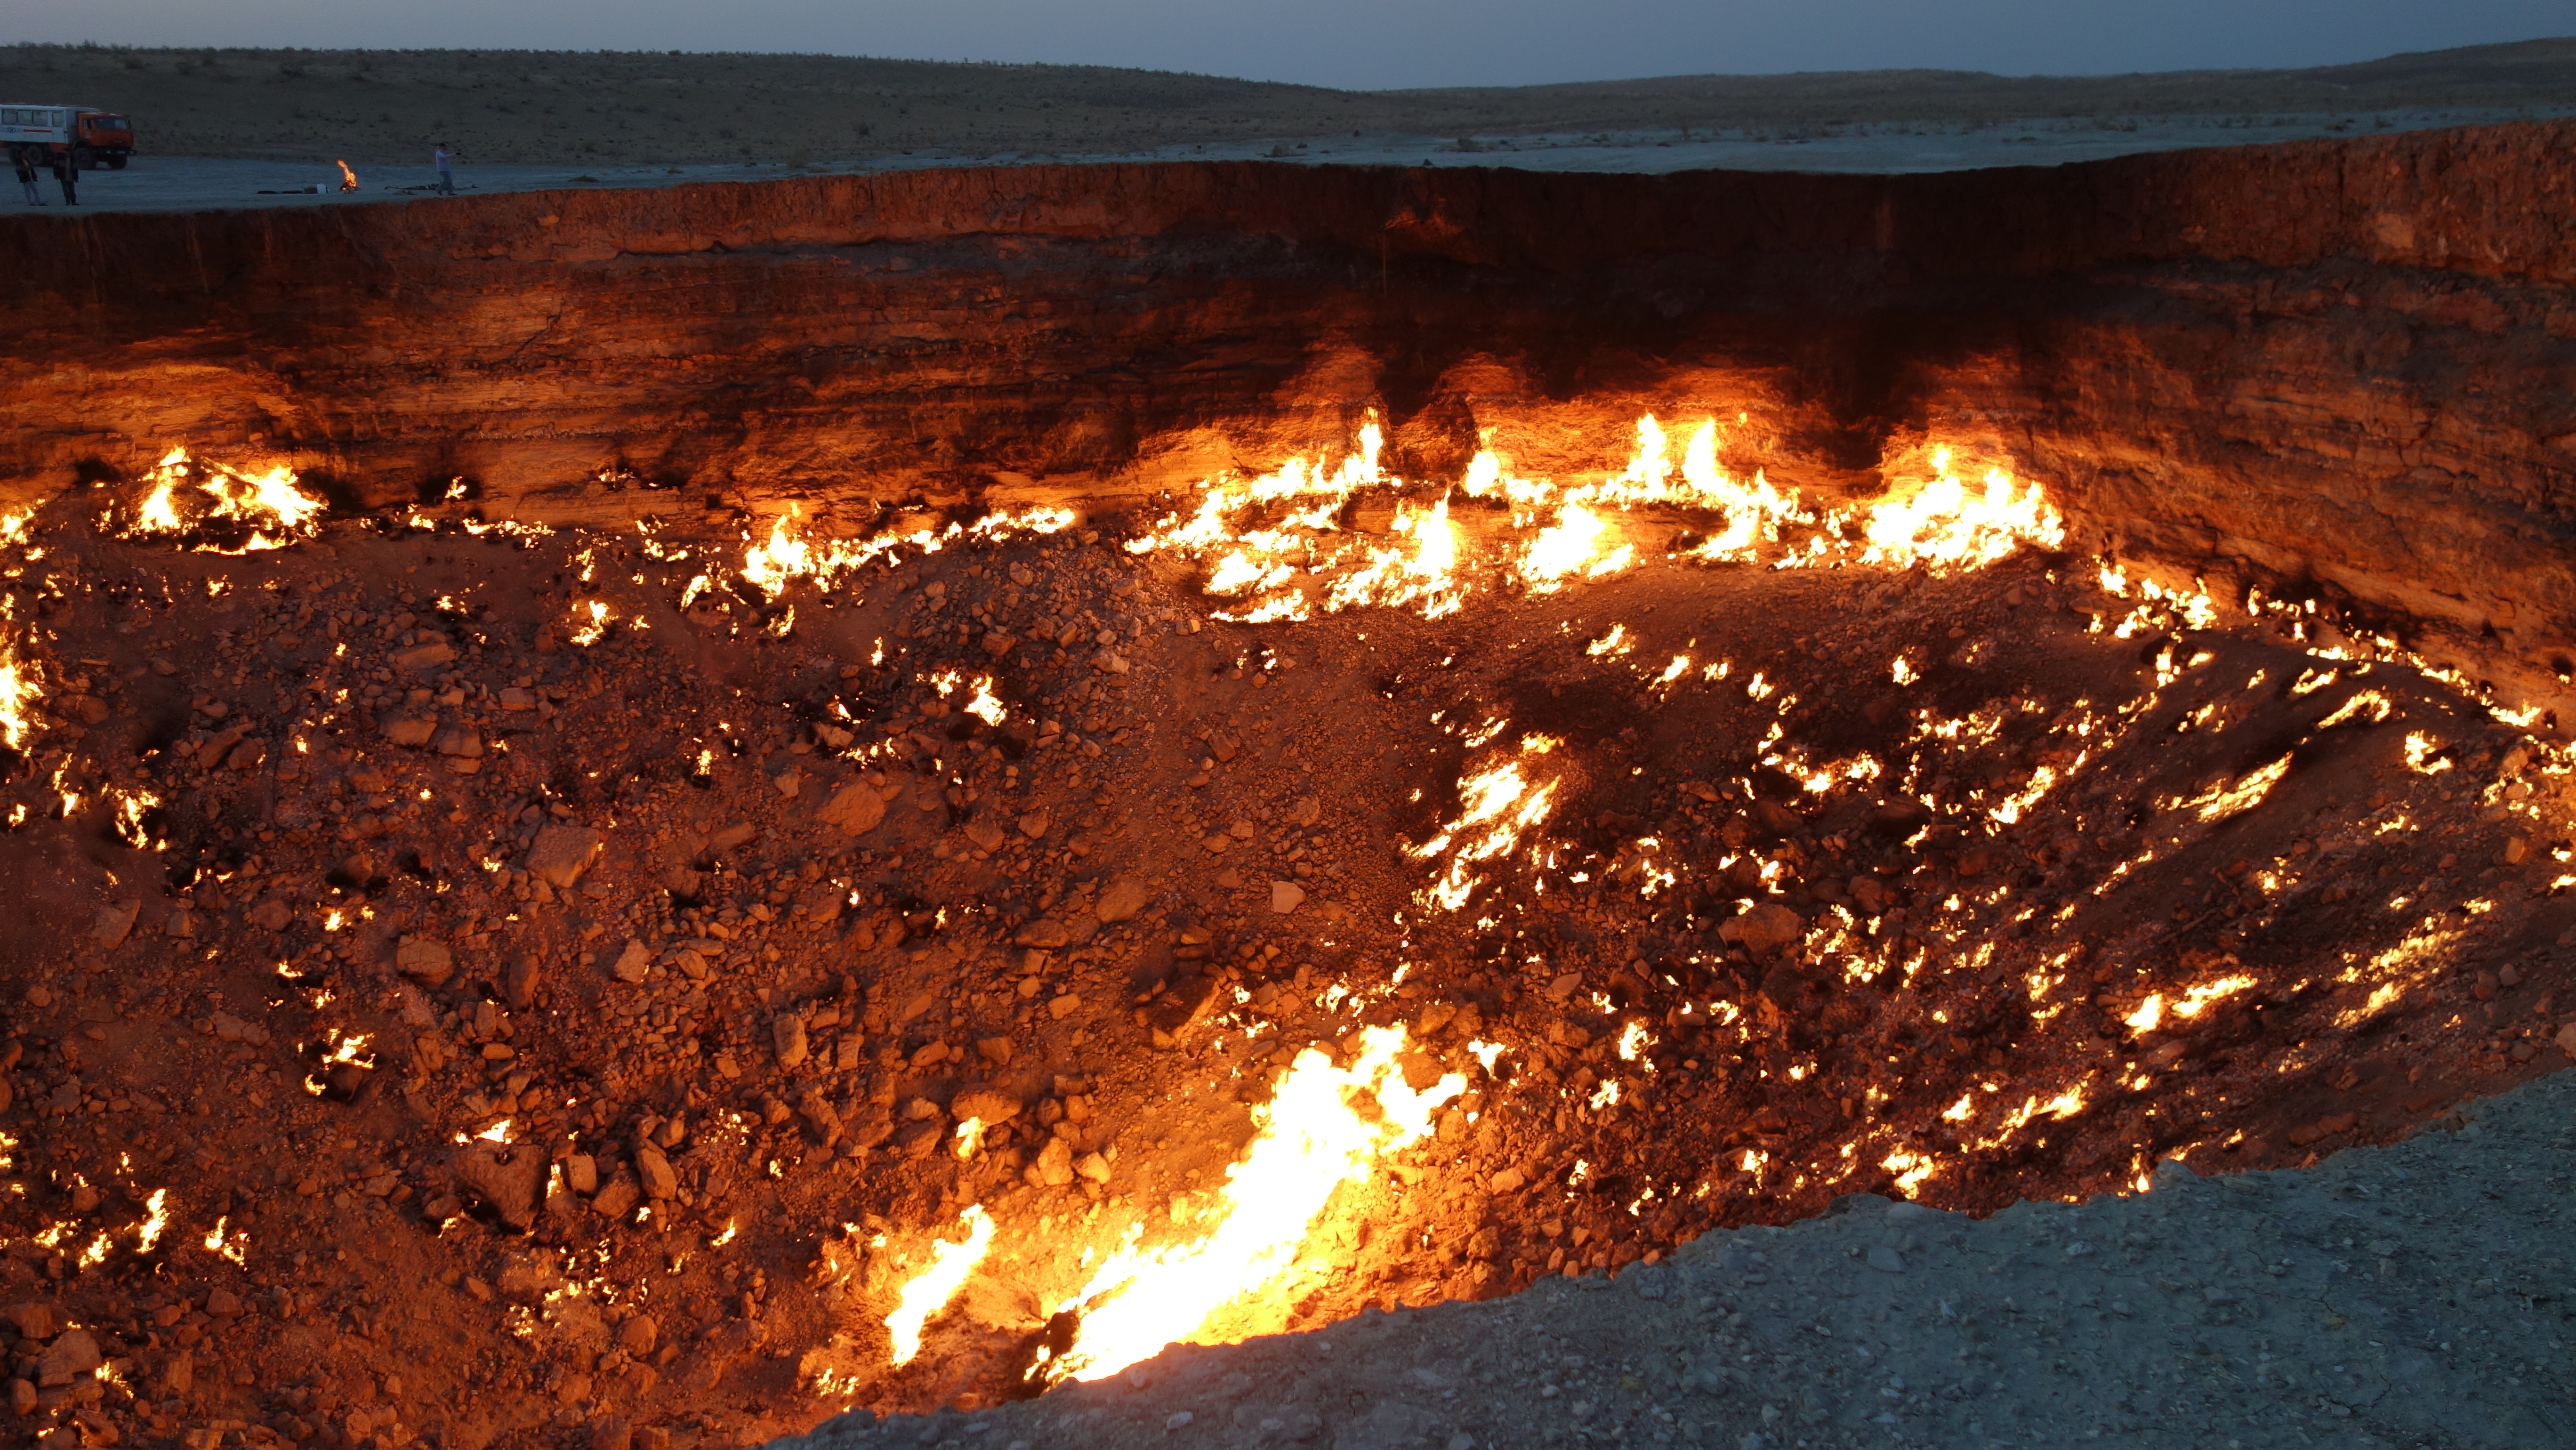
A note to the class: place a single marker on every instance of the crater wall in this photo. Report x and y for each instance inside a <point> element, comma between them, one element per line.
<point>2340,365</point>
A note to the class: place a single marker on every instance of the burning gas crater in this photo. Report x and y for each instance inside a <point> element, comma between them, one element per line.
<point>2004,876</point>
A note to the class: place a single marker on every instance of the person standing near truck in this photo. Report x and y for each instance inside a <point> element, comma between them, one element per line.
<point>446,173</point>
<point>67,171</point>
<point>26,175</point>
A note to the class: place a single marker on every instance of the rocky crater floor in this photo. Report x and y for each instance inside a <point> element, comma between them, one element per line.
<point>487,984</point>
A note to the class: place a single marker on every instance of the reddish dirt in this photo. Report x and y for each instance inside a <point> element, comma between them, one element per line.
<point>714,1176</point>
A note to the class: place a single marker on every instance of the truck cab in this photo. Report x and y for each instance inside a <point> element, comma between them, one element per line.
<point>91,138</point>
<point>105,139</point>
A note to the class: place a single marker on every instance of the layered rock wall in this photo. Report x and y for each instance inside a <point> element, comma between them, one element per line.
<point>2345,364</point>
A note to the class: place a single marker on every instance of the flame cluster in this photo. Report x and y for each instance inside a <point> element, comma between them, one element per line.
<point>222,509</point>
<point>1501,804</point>
<point>19,691</point>
<point>1942,525</point>
<point>786,555</point>
<point>1315,1136</point>
<point>1277,548</point>
<point>1328,1124</point>
<point>1581,542</point>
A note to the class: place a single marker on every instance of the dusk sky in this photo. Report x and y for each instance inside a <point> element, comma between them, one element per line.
<point>1374,43</point>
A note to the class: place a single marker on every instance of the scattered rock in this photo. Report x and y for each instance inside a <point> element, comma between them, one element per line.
<point>562,853</point>
<point>74,1352</point>
<point>998,644</point>
<point>1886,1259</point>
<point>1765,929</point>
<point>1121,900</point>
<point>1286,896</point>
<point>409,731</point>
<point>654,1172</point>
<point>638,1335</point>
<point>229,1028</point>
<point>987,1104</point>
<point>820,1117</point>
<point>853,810</point>
<point>1044,933</point>
<point>787,1032</point>
<point>507,1177</point>
<point>424,960</point>
<point>616,1198</point>
<point>519,981</point>
<point>426,655</point>
<point>1054,1165</point>
<point>1034,824</point>
<point>581,1174</point>
<point>986,836</point>
<point>115,921</point>
<point>458,742</point>
<point>633,963</point>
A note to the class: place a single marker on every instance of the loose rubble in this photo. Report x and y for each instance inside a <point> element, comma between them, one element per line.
<point>431,1026</point>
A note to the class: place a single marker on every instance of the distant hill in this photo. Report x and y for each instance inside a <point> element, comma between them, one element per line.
<point>636,108</point>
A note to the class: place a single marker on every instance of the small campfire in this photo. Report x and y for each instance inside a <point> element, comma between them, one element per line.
<point>348,178</point>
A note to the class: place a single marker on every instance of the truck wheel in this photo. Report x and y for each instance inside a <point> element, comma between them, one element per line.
<point>116,163</point>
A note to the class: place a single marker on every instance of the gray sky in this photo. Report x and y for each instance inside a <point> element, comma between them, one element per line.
<point>1374,43</point>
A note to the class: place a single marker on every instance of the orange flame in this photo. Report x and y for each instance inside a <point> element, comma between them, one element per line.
<point>1500,804</point>
<point>275,511</point>
<point>348,178</point>
<point>931,1289</point>
<point>1942,526</point>
<point>1326,1126</point>
<point>19,693</point>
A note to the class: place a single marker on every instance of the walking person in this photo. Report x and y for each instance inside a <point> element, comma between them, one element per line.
<point>26,168</point>
<point>446,173</point>
<point>67,171</point>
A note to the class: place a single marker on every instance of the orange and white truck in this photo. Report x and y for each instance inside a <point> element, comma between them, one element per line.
<point>91,138</point>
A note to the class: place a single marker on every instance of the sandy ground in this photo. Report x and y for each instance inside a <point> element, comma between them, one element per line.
<point>190,183</point>
<point>609,108</point>
<point>2409,1295</point>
